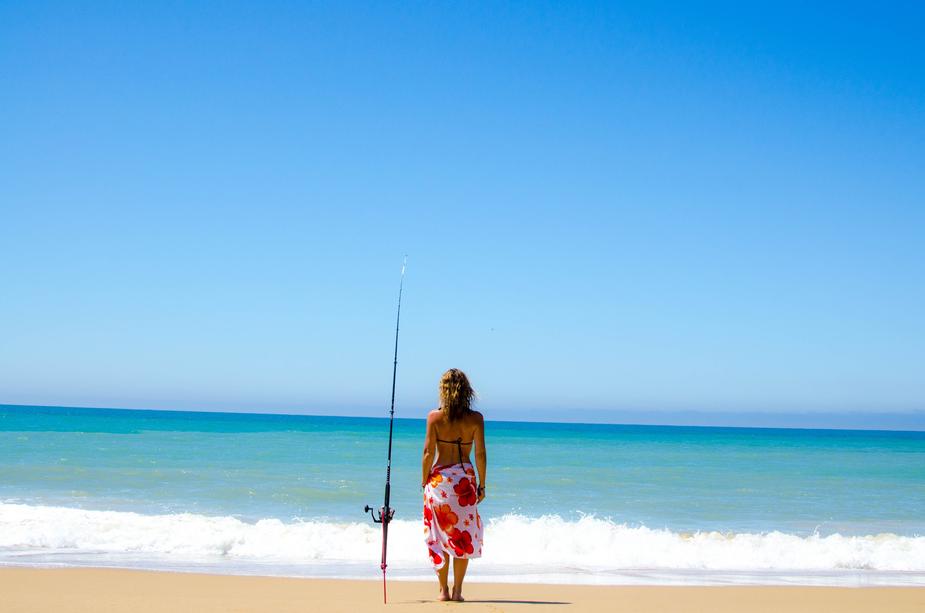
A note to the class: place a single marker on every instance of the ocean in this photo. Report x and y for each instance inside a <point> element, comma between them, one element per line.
<point>609,504</point>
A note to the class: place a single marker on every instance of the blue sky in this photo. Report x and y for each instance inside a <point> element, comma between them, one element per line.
<point>605,208</point>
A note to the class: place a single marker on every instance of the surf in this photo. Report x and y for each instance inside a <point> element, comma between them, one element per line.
<point>546,544</point>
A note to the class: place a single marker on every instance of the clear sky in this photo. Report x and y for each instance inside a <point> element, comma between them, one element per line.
<point>606,208</point>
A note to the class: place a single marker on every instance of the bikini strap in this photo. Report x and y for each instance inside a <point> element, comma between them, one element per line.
<point>458,442</point>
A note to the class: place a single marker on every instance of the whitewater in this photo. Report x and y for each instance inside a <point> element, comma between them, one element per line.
<point>588,550</point>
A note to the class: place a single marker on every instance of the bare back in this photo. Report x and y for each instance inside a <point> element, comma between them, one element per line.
<point>455,440</point>
<point>447,443</point>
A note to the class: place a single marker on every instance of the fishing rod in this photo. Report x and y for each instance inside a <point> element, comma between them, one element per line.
<point>384,516</point>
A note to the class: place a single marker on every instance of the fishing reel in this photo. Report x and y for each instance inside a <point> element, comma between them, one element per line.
<point>377,517</point>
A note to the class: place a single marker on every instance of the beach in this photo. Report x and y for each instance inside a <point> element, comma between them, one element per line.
<point>100,590</point>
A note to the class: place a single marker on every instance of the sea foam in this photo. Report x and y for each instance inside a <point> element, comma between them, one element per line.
<point>588,545</point>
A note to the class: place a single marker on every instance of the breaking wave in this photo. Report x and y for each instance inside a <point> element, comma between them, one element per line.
<point>588,544</point>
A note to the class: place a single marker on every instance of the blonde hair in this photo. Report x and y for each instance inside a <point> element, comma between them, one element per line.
<point>456,394</point>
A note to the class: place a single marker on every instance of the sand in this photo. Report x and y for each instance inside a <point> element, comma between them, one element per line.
<point>99,590</point>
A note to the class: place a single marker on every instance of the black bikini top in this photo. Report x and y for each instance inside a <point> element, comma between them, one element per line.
<point>459,443</point>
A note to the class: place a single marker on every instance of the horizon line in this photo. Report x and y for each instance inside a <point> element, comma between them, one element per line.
<point>692,412</point>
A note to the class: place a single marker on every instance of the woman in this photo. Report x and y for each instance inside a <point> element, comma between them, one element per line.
<point>451,519</point>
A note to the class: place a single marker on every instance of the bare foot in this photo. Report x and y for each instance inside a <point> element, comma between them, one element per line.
<point>457,595</point>
<point>444,593</point>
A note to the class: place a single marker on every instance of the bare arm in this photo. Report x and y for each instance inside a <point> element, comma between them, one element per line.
<point>481,455</point>
<point>430,446</point>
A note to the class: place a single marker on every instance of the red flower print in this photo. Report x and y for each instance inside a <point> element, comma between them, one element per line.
<point>461,542</point>
<point>428,515</point>
<point>435,557</point>
<point>446,518</point>
<point>466,492</point>
<point>443,494</point>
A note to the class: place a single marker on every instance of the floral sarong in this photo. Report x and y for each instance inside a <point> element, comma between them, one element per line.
<point>452,526</point>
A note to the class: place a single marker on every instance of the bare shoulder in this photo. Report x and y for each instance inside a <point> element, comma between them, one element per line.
<point>477,418</point>
<point>434,416</point>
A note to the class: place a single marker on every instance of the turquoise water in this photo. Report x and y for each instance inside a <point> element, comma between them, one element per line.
<point>622,481</point>
<point>255,466</point>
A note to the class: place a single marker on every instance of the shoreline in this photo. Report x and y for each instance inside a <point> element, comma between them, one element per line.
<point>333,571</point>
<point>82,590</point>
